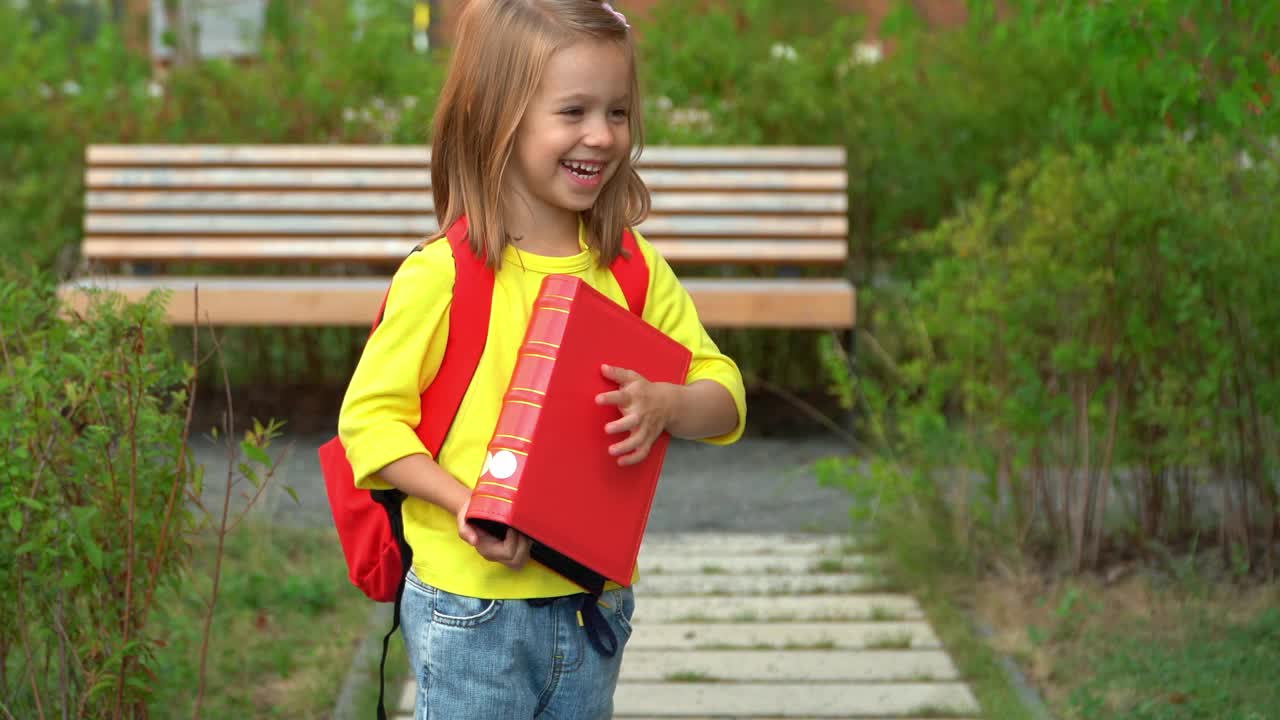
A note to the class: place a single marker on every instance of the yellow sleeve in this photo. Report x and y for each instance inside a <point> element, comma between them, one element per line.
<point>382,406</point>
<point>670,309</point>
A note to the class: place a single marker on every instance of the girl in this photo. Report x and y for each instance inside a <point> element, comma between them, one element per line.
<point>533,143</point>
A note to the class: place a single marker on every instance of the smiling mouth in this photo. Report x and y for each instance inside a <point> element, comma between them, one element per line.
<point>583,170</point>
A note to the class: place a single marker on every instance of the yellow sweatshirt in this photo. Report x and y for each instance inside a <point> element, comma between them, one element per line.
<point>381,407</point>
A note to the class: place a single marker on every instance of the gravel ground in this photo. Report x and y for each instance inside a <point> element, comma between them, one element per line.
<point>758,484</point>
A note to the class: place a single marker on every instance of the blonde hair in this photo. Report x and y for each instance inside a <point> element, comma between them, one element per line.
<point>502,50</point>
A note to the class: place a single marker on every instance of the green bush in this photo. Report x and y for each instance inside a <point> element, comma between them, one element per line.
<point>948,113</point>
<point>102,513</point>
<point>93,483</point>
<point>1104,327</point>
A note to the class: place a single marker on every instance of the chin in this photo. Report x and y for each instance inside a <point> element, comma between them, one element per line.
<point>580,205</point>
<point>577,202</point>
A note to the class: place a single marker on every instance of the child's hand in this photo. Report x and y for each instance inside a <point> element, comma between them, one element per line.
<point>646,410</point>
<point>512,550</point>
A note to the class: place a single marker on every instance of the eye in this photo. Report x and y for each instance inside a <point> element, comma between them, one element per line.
<point>619,113</point>
<point>572,111</point>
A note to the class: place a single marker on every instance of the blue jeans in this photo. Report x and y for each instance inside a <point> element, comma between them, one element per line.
<point>476,658</point>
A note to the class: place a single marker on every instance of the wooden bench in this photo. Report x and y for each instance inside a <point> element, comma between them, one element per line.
<point>281,235</point>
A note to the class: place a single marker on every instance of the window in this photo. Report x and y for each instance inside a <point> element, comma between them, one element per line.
<point>223,28</point>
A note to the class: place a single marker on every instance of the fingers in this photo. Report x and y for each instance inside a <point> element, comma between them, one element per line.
<point>466,530</point>
<point>633,442</point>
<point>491,547</point>
<point>622,424</point>
<point>511,551</point>
<point>622,376</point>
<point>613,397</point>
<point>638,456</point>
<point>634,449</point>
<point>524,546</point>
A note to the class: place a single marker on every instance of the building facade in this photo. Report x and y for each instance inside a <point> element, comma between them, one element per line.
<point>228,26</point>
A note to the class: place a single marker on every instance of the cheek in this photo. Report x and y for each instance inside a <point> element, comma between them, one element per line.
<point>557,140</point>
<point>622,135</point>
<point>536,138</point>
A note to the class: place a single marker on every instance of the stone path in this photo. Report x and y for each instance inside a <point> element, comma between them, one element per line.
<point>778,626</point>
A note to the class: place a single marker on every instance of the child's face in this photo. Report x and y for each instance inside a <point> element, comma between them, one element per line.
<point>576,131</point>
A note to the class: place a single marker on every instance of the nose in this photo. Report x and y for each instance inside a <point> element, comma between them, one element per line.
<point>599,133</point>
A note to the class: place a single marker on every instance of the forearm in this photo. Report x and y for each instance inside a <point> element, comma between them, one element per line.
<point>421,477</point>
<point>701,409</point>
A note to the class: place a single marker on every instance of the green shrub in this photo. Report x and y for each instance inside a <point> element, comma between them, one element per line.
<point>93,483</point>
<point>1104,327</point>
<point>948,113</point>
<point>103,512</point>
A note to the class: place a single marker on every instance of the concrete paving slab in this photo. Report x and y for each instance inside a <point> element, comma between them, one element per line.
<point>656,562</point>
<point>789,700</point>
<point>760,544</point>
<point>757,584</point>
<point>813,666</point>
<point>912,634</point>
<point>783,608</point>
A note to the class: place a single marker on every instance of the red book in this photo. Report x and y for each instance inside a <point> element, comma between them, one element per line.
<point>548,472</point>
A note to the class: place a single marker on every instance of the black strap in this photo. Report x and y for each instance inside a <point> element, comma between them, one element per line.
<point>391,501</point>
<point>590,580</point>
<point>594,623</point>
<point>382,666</point>
<point>597,627</point>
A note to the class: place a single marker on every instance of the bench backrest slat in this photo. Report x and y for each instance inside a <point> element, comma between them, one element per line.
<point>366,179</point>
<point>725,226</point>
<point>389,250</point>
<point>420,156</point>
<point>290,203</point>
<point>231,201</point>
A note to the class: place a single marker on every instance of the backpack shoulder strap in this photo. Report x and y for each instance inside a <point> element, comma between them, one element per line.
<point>632,273</point>
<point>468,331</point>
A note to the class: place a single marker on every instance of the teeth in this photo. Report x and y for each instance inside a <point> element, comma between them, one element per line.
<point>583,167</point>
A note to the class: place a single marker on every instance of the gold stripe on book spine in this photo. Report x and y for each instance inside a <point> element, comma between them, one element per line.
<point>513,437</point>
<point>495,497</point>
<point>496,446</point>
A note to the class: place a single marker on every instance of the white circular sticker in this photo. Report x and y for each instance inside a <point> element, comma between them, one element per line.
<point>503,464</point>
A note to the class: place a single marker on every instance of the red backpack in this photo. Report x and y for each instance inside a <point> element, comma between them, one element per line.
<point>369,523</point>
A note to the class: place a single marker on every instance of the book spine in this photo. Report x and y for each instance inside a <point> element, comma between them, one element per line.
<point>495,493</point>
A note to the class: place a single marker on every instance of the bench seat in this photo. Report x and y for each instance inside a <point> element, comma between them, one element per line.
<point>324,301</point>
